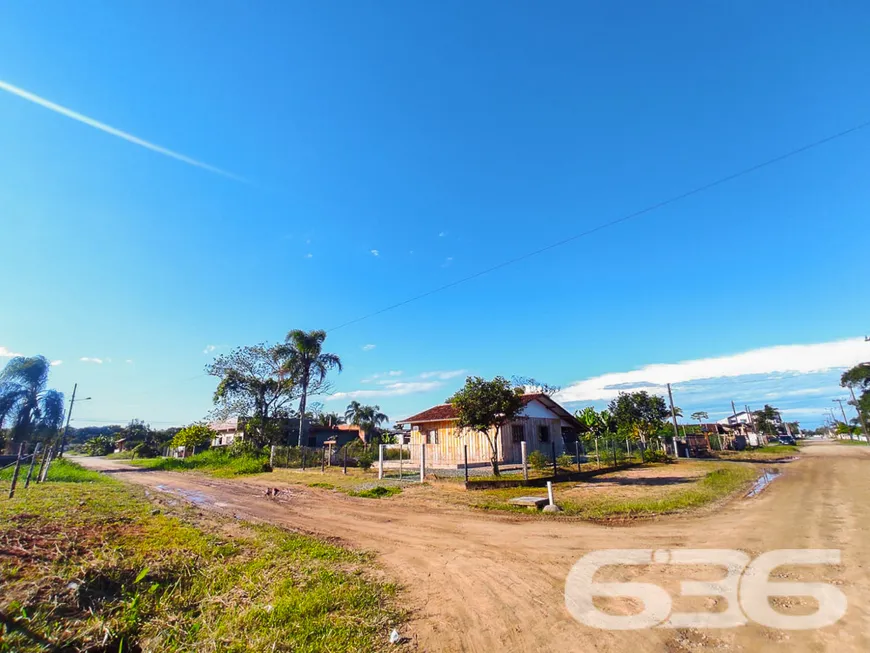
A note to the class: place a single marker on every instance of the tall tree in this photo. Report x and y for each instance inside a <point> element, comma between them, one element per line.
<point>26,404</point>
<point>639,414</point>
<point>308,364</point>
<point>700,416</point>
<point>353,414</point>
<point>254,381</point>
<point>368,418</point>
<point>766,419</point>
<point>328,419</point>
<point>484,406</point>
<point>858,378</point>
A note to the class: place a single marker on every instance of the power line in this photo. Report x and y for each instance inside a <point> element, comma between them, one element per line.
<point>625,218</point>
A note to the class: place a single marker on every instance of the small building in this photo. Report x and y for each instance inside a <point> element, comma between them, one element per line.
<point>543,425</point>
<point>313,435</point>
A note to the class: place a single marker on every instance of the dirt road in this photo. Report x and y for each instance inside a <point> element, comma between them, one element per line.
<point>495,582</point>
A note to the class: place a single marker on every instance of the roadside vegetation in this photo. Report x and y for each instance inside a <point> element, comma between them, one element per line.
<point>216,462</point>
<point>89,564</point>
<point>647,491</point>
<point>852,442</point>
<point>771,452</point>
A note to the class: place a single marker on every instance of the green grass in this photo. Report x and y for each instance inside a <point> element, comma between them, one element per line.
<point>853,442</point>
<point>60,470</point>
<point>214,462</point>
<point>715,485</point>
<point>378,492</point>
<point>89,558</point>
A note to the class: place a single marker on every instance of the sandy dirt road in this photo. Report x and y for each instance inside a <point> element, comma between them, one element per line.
<point>495,582</point>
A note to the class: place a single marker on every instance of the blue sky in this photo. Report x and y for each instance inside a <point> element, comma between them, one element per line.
<point>375,151</point>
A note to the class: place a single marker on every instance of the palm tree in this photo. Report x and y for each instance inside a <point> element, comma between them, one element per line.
<point>25,403</point>
<point>700,415</point>
<point>328,419</point>
<point>353,414</point>
<point>309,364</point>
<point>368,418</point>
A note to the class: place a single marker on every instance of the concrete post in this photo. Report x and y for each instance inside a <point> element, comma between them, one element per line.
<point>272,456</point>
<point>597,458</point>
<point>550,493</point>
<point>401,451</point>
<point>422,462</point>
<point>465,455</point>
<point>525,461</point>
<point>553,454</point>
<point>381,461</point>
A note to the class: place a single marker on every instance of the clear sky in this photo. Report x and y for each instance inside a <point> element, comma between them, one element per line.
<point>299,165</point>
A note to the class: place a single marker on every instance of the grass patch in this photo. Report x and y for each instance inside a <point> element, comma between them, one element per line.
<point>852,442</point>
<point>377,492</point>
<point>582,499</point>
<point>769,452</point>
<point>61,470</point>
<point>83,563</point>
<point>213,461</point>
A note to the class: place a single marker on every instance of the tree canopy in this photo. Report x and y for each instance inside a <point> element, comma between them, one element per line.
<point>254,380</point>
<point>192,436</point>
<point>639,414</point>
<point>307,364</point>
<point>483,405</point>
<point>29,408</point>
<point>765,419</point>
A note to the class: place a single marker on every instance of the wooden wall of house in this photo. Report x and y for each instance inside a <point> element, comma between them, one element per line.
<point>445,444</point>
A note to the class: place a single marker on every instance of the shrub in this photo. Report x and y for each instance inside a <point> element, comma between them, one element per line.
<point>538,460</point>
<point>565,460</point>
<point>364,460</point>
<point>656,456</point>
<point>377,492</point>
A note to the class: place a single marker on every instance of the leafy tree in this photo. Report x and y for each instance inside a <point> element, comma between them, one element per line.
<point>26,404</point>
<point>700,416</point>
<point>99,445</point>
<point>254,381</point>
<point>639,414</point>
<point>308,365</point>
<point>483,405</point>
<point>530,385</point>
<point>353,414</point>
<point>857,377</point>
<point>195,435</point>
<point>765,419</point>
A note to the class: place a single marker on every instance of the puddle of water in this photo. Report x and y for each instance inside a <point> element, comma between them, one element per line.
<point>764,480</point>
<point>196,498</point>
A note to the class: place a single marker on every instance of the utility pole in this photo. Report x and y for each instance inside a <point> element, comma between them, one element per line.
<point>733,408</point>
<point>860,415</point>
<point>72,402</point>
<point>674,419</point>
<point>845,419</point>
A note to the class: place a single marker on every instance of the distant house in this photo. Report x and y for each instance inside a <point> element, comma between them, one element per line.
<point>313,435</point>
<point>746,419</point>
<point>542,425</point>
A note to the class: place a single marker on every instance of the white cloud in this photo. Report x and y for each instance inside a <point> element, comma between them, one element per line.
<point>86,359</point>
<point>442,234</point>
<point>375,252</point>
<point>392,390</point>
<point>309,255</point>
<point>368,347</point>
<point>6,353</point>
<point>129,361</point>
<point>395,372</point>
<point>443,375</point>
<point>69,113</point>
<point>801,359</point>
<point>56,363</point>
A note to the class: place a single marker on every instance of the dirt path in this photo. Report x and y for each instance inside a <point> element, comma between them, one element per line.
<point>495,582</point>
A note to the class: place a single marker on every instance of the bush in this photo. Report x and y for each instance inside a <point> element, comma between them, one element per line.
<point>566,460</point>
<point>538,460</point>
<point>655,456</point>
<point>377,492</point>
<point>146,450</point>
<point>364,460</point>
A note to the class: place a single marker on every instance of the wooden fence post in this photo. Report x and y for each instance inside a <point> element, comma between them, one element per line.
<point>465,454</point>
<point>553,453</point>
<point>323,460</point>
<point>422,462</point>
<point>577,447</point>
<point>15,472</point>
<point>597,457</point>
<point>32,463</point>
<point>345,458</point>
<point>381,461</point>
<point>46,463</point>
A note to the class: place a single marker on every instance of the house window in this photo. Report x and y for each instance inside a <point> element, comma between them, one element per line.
<point>518,433</point>
<point>543,433</point>
<point>432,437</point>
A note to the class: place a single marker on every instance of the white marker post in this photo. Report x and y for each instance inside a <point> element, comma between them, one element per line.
<point>525,461</point>
<point>550,493</point>
<point>381,461</point>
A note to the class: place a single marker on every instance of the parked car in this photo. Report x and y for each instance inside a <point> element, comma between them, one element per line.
<point>786,439</point>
